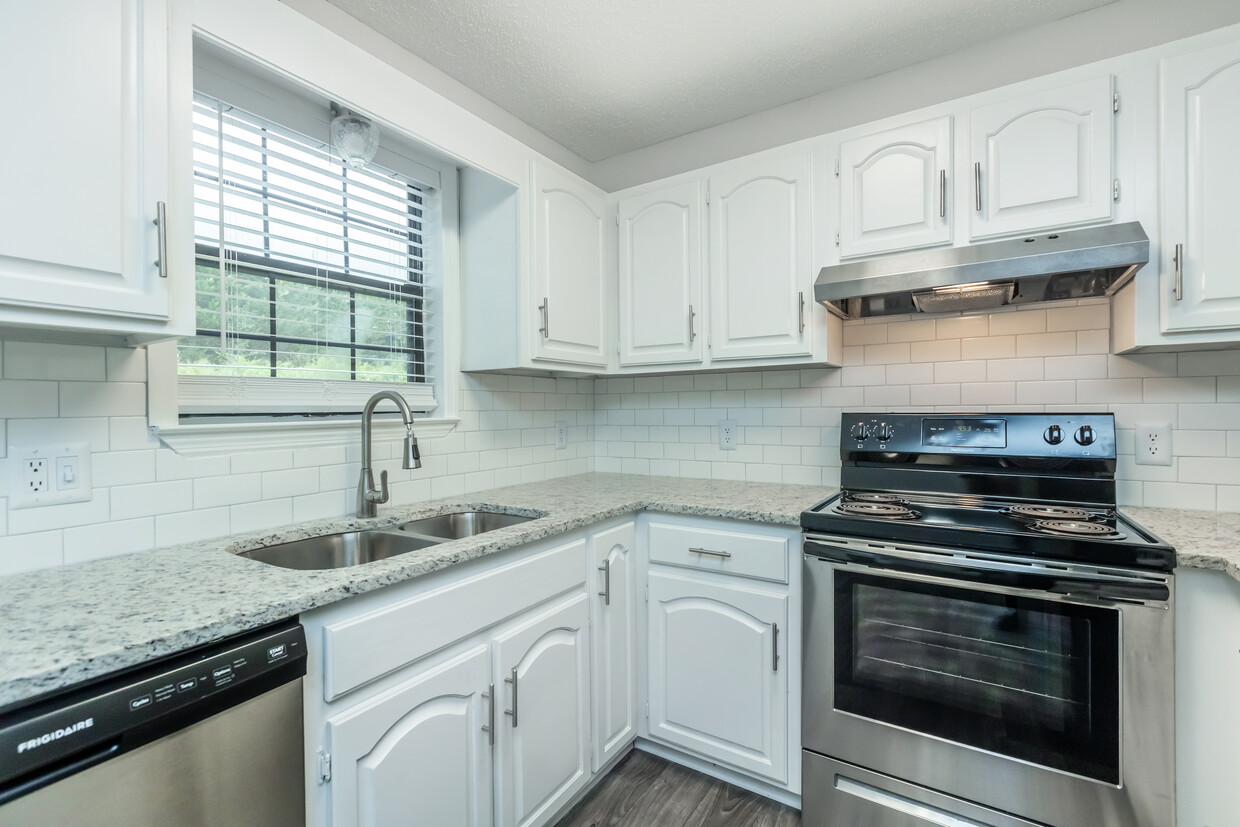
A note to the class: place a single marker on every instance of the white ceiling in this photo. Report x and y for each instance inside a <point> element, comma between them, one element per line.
<point>605,77</point>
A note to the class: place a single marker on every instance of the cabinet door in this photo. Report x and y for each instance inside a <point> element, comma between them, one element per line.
<point>543,747</point>
<point>718,671</point>
<point>1043,161</point>
<point>570,270</point>
<point>761,260</point>
<point>83,156</point>
<point>417,749</point>
<point>660,276</point>
<point>1201,179</point>
<point>894,188</point>
<point>613,643</point>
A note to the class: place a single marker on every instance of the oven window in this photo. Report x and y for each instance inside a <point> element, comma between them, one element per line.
<point>1032,679</point>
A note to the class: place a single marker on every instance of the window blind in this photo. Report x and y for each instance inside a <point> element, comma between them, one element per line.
<point>305,270</point>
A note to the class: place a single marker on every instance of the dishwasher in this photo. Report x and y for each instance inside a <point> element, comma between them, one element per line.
<point>210,737</point>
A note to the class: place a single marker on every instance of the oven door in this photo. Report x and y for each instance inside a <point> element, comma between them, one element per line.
<point>995,679</point>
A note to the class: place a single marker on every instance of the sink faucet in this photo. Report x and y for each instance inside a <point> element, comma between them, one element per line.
<point>368,498</point>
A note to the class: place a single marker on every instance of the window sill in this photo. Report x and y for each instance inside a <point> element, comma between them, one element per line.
<point>236,437</point>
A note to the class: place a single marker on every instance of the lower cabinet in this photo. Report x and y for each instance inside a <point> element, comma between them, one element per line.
<point>613,641</point>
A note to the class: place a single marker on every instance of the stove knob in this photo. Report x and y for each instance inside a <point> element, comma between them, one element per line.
<point>885,432</point>
<point>1053,435</point>
<point>1085,435</point>
<point>860,431</point>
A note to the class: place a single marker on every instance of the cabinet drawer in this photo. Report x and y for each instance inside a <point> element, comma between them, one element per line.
<point>733,552</point>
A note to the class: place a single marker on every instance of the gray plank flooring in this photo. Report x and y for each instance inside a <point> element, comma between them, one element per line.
<point>646,791</point>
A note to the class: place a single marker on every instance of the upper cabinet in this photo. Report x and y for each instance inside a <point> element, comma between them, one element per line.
<point>661,310</point>
<point>1200,181</point>
<point>571,232</point>
<point>895,188</point>
<point>81,250</point>
<point>761,259</point>
<point>1043,161</point>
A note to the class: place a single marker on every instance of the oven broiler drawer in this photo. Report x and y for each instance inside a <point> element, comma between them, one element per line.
<point>742,554</point>
<point>837,793</point>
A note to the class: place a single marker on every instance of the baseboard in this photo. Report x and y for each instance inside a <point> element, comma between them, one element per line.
<point>702,765</point>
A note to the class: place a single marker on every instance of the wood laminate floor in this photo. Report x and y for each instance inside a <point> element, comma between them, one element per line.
<point>646,791</point>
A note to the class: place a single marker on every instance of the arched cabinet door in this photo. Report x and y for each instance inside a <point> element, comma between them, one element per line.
<point>1200,186</point>
<point>895,189</point>
<point>418,749</point>
<point>613,628</point>
<point>543,738</point>
<point>1043,161</point>
<point>717,670</point>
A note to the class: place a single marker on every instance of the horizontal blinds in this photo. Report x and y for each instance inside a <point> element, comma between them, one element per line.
<point>306,269</point>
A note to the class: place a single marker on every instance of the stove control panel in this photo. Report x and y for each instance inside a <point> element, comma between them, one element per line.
<point>1064,435</point>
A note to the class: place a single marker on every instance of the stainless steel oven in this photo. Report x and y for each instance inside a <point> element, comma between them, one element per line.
<point>952,688</point>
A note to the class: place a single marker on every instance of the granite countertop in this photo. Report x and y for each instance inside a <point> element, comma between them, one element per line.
<point>1202,539</point>
<point>64,625</point>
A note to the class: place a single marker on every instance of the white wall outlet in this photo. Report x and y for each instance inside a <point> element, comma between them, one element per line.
<point>727,434</point>
<point>561,435</point>
<point>1153,443</point>
<point>49,474</point>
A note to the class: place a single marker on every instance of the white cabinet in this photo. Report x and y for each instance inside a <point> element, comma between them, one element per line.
<point>84,161</point>
<point>761,259</point>
<point>1200,182</point>
<point>895,187</point>
<point>613,641</point>
<point>1043,161</point>
<point>718,670</point>
<point>571,243</point>
<point>418,748</point>
<point>661,312</point>
<point>543,735</point>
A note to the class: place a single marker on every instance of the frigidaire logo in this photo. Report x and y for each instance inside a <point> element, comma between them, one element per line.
<point>55,735</point>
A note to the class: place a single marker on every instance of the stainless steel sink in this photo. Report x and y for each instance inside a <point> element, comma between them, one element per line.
<point>462,524</point>
<point>338,551</point>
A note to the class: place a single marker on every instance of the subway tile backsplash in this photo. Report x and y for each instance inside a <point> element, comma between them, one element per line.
<point>1053,357</point>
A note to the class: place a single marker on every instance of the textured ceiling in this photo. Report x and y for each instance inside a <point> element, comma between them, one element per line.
<point>604,77</point>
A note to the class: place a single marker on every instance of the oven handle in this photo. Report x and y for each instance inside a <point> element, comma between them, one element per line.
<point>1018,579</point>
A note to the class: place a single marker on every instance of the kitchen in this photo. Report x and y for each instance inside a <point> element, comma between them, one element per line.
<point>572,343</point>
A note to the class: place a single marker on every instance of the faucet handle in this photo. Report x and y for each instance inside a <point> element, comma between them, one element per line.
<point>380,496</point>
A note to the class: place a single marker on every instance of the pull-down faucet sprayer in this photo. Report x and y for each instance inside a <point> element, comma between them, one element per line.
<point>368,499</point>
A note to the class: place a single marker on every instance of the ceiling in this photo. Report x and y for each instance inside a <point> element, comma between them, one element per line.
<point>605,77</point>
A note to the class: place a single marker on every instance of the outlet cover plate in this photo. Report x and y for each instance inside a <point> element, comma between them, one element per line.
<point>561,435</point>
<point>64,476</point>
<point>727,434</point>
<point>1152,443</point>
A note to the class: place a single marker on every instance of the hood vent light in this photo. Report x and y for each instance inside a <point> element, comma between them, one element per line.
<point>965,297</point>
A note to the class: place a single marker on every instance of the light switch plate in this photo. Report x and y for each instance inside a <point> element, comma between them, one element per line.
<point>49,474</point>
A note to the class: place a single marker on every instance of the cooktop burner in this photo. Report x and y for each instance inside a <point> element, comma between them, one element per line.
<point>1077,528</point>
<point>874,497</point>
<point>1050,512</point>
<point>883,510</point>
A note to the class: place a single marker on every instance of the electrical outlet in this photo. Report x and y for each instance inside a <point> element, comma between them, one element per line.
<point>1153,443</point>
<point>727,434</point>
<point>52,474</point>
<point>561,435</point>
<point>34,475</point>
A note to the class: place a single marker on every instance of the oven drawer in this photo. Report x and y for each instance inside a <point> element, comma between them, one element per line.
<point>835,793</point>
<point>758,555</point>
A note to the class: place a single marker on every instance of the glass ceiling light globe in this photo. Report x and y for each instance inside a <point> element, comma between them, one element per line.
<point>355,138</point>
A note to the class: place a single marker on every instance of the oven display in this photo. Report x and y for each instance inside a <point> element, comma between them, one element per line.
<point>965,433</point>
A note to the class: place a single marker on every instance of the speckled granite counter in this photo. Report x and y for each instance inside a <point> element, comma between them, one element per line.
<point>1202,539</point>
<point>69,624</point>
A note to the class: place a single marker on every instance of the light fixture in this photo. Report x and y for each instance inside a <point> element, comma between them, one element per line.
<point>355,138</point>
<point>978,295</point>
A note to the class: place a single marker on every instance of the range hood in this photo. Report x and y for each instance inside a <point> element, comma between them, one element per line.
<point>1073,264</point>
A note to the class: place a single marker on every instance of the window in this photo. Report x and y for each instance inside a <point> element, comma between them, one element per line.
<point>310,276</point>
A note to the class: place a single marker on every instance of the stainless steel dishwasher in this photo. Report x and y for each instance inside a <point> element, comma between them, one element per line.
<point>211,737</point>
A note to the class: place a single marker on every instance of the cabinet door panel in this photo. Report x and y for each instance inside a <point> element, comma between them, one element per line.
<point>544,755</point>
<point>660,276</point>
<point>614,643</point>
<point>893,189</point>
<point>89,79</point>
<point>1201,177</point>
<point>718,679</point>
<point>1044,160</point>
<point>419,749</point>
<point>570,270</point>
<point>761,260</point>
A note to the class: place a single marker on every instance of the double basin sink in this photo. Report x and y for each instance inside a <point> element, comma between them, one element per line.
<point>353,548</point>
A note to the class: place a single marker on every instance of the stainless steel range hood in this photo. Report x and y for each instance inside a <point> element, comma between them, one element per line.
<point>1068,265</point>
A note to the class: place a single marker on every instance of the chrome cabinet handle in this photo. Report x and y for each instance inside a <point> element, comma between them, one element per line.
<point>774,647</point>
<point>942,193</point>
<point>545,330</point>
<point>606,592</point>
<point>161,221</point>
<point>1178,258</point>
<point>977,184</point>
<point>489,728</point>
<point>513,712</point>
<point>692,332</point>
<point>801,300</point>
<point>710,552</point>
